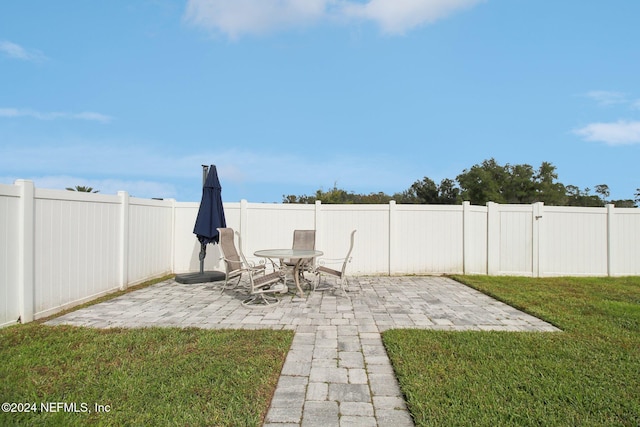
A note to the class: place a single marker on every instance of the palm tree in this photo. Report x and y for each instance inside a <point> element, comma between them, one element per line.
<point>83,189</point>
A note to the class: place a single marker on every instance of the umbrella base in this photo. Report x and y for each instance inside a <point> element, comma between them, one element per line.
<point>205,277</point>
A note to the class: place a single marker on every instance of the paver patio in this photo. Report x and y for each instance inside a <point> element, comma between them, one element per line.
<point>337,372</point>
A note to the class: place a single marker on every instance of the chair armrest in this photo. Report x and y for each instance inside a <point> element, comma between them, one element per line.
<point>325,261</point>
<point>322,269</point>
<point>258,270</point>
<point>250,267</point>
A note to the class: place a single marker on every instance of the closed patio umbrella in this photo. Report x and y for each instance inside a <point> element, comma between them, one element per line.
<point>211,212</point>
<point>210,218</point>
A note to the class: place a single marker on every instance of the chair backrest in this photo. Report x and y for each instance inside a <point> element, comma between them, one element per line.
<point>242,257</point>
<point>227,245</point>
<point>348,257</point>
<point>304,239</point>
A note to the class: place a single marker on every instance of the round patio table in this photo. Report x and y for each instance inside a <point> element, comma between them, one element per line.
<point>299,254</point>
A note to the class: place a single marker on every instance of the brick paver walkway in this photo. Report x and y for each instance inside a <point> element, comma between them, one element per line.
<point>337,372</point>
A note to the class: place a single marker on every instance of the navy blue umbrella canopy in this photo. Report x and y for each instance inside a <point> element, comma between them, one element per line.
<point>211,213</point>
<point>210,218</point>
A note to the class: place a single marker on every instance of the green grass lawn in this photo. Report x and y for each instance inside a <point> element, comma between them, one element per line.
<point>587,375</point>
<point>153,376</point>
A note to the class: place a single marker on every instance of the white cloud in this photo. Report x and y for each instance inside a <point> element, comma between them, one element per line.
<point>400,16</point>
<point>16,51</point>
<point>616,133</point>
<point>253,16</point>
<point>239,17</point>
<point>87,115</point>
<point>606,97</point>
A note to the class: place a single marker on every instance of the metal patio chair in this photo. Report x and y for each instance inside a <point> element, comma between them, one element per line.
<point>322,270</point>
<point>234,265</point>
<point>264,285</point>
<point>261,283</point>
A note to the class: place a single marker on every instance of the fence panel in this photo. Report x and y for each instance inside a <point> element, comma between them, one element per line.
<point>186,247</point>
<point>573,241</point>
<point>271,225</point>
<point>76,248</point>
<point>516,240</point>
<point>625,238</point>
<point>475,235</point>
<point>428,239</point>
<point>371,248</point>
<point>150,239</point>
<point>9,247</point>
<point>510,239</point>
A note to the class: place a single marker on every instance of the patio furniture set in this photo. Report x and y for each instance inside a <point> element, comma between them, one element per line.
<point>269,277</point>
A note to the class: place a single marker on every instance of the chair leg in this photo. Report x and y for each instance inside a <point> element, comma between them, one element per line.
<point>233,286</point>
<point>327,286</point>
<point>316,284</point>
<point>285,290</point>
<point>344,284</point>
<point>261,300</point>
<point>304,281</point>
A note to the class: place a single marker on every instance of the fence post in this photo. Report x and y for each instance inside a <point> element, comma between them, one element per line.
<point>538,209</point>
<point>26,250</point>
<point>466,237</point>
<point>392,237</point>
<point>244,220</point>
<point>317,223</point>
<point>173,235</point>
<point>124,239</point>
<point>493,239</point>
<point>610,235</point>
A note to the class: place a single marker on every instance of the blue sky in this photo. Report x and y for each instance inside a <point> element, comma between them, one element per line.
<point>289,96</point>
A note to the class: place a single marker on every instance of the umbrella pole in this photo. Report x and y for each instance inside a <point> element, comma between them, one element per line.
<point>203,246</point>
<point>203,254</point>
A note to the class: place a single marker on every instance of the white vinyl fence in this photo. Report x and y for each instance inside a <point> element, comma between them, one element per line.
<point>59,248</point>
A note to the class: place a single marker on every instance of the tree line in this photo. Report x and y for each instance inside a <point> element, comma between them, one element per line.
<point>482,183</point>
